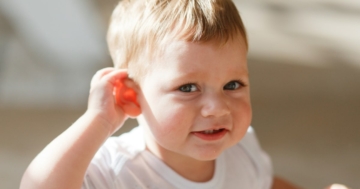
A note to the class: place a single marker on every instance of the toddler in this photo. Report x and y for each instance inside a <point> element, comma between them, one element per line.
<point>180,68</point>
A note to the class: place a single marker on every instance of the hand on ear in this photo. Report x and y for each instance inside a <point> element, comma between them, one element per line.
<point>126,97</point>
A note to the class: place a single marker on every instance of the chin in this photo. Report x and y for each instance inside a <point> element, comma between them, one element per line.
<point>207,158</point>
<point>207,154</point>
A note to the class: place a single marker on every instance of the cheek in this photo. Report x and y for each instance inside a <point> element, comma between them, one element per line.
<point>242,118</point>
<point>169,119</point>
<point>246,112</point>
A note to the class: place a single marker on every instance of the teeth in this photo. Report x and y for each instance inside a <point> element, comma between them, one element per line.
<point>211,131</point>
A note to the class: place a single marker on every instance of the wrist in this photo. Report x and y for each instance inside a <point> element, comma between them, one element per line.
<point>100,120</point>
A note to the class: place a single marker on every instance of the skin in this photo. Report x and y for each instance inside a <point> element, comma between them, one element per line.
<point>218,96</point>
<point>63,163</point>
<point>214,100</point>
<point>206,70</point>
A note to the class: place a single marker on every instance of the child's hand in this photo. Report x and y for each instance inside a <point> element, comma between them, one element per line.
<point>80,142</point>
<point>105,85</point>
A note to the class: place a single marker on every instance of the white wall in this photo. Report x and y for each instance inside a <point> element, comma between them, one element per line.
<point>49,53</point>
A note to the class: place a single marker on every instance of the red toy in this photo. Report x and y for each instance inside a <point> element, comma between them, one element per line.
<point>123,94</point>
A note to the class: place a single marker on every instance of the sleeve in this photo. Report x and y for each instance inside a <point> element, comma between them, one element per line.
<point>259,157</point>
<point>107,164</point>
<point>100,173</point>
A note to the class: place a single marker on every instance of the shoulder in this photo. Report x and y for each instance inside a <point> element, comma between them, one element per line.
<point>110,160</point>
<point>128,144</point>
<point>249,148</point>
<point>125,146</point>
<point>250,141</point>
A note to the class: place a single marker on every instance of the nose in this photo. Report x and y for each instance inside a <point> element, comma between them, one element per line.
<point>215,106</point>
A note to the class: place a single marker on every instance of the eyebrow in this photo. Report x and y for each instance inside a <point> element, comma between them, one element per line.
<point>195,74</point>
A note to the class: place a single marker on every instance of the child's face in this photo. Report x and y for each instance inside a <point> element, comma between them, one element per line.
<point>192,88</point>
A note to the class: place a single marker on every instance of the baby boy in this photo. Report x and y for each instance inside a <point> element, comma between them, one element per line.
<point>180,68</point>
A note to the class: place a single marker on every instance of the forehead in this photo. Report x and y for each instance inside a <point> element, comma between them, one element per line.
<point>193,57</point>
<point>181,60</point>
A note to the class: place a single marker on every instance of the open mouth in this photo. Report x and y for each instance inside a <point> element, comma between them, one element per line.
<point>212,131</point>
<point>214,134</point>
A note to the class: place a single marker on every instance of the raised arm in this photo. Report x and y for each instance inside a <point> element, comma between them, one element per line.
<point>63,162</point>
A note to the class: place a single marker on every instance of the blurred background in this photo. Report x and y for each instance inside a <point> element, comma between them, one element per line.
<point>304,66</point>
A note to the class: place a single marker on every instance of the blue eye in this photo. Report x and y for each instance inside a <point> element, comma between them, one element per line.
<point>188,88</point>
<point>233,85</point>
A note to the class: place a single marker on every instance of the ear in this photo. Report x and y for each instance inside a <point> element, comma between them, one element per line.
<point>126,97</point>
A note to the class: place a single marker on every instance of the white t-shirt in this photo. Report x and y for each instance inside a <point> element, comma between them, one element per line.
<point>122,162</point>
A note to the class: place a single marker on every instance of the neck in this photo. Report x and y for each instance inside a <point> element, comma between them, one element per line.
<point>187,167</point>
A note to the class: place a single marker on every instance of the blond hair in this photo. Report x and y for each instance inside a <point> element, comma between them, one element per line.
<point>137,27</point>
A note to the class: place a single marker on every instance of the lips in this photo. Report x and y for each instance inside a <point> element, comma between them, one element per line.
<point>210,135</point>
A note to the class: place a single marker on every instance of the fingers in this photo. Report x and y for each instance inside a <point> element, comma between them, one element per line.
<point>115,75</point>
<point>98,75</point>
<point>111,83</point>
<point>110,75</point>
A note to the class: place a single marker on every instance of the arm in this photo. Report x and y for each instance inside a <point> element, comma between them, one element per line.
<point>63,163</point>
